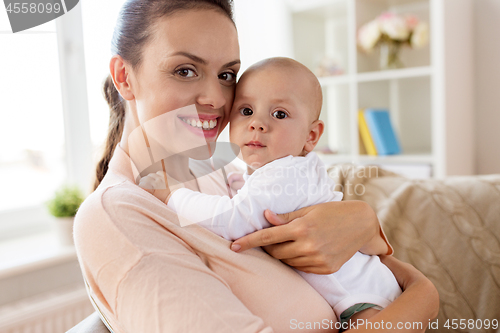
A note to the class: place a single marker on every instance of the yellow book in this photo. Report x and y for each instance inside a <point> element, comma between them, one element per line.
<point>365,134</point>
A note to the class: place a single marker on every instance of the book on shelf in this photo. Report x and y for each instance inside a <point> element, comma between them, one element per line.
<point>381,132</point>
<point>366,137</point>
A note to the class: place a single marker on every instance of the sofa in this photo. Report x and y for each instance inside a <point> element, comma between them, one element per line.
<point>448,229</point>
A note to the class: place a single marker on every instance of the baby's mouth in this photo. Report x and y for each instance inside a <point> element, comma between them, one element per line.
<point>201,124</point>
<point>255,144</point>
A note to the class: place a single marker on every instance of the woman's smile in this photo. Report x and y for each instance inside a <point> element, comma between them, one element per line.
<point>206,126</point>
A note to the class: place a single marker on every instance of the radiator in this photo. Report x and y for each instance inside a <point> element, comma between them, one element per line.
<point>49,313</point>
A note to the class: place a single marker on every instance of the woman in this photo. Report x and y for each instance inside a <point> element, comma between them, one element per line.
<point>148,274</point>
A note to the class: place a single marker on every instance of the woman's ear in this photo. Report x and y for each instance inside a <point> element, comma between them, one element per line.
<point>315,132</point>
<point>120,72</point>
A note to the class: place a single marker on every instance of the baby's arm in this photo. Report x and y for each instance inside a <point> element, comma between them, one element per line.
<point>226,217</point>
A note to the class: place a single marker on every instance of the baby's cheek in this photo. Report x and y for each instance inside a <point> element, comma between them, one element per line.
<point>291,146</point>
<point>235,130</point>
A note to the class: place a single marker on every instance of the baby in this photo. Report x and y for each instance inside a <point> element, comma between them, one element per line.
<point>275,122</point>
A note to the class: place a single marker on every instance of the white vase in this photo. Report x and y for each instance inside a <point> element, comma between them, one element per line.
<point>63,226</point>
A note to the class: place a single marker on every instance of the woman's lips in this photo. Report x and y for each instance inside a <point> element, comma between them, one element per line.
<point>206,126</point>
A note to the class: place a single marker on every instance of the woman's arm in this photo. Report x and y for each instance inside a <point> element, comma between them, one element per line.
<point>321,238</point>
<point>410,312</point>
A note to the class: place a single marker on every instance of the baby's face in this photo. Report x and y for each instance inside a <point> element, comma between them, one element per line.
<point>271,115</point>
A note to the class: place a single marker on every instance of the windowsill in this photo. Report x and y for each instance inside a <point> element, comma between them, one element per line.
<point>23,255</point>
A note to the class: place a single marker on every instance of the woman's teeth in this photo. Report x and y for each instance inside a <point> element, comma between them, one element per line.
<point>205,124</point>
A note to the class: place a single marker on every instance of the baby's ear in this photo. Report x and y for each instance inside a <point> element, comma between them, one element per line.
<point>315,132</point>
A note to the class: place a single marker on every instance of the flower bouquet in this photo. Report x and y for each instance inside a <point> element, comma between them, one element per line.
<point>389,32</point>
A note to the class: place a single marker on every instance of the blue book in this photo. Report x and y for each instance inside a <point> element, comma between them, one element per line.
<point>379,124</point>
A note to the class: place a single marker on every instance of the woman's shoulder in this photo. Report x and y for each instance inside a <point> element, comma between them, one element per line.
<point>121,204</point>
<point>100,215</point>
<point>105,250</point>
<point>119,213</point>
<point>116,227</point>
<point>108,198</point>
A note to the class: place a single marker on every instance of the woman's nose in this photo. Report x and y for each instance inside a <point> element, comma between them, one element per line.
<point>212,95</point>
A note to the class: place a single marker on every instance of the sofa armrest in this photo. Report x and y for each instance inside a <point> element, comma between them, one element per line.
<point>91,324</point>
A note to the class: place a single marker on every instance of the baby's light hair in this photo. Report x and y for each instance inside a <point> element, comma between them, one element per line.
<point>291,64</point>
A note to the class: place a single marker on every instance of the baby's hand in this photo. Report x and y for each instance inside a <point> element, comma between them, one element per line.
<point>156,184</point>
<point>153,181</point>
<point>235,180</point>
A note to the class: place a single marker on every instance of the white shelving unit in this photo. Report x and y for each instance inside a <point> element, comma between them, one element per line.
<point>430,100</point>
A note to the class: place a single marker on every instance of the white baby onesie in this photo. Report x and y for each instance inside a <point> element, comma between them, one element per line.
<point>285,185</point>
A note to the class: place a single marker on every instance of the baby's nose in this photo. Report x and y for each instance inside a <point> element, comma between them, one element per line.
<point>258,125</point>
<point>254,127</point>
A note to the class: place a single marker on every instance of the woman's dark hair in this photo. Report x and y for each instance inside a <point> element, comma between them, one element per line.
<point>133,30</point>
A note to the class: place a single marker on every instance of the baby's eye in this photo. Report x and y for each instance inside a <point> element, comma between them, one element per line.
<point>246,111</point>
<point>185,72</point>
<point>280,114</point>
<point>228,77</point>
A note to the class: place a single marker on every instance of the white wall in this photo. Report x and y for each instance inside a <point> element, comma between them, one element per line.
<point>264,31</point>
<point>487,88</point>
<point>258,18</point>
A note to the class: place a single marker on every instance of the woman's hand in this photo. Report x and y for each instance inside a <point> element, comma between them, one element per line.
<point>319,239</point>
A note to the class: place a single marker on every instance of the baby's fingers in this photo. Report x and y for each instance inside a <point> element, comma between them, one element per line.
<point>152,181</point>
<point>146,184</point>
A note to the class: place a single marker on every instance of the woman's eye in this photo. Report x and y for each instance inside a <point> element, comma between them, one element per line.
<point>280,114</point>
<point>246,112</point>
<point>228,76</point>
<point>186,72</point>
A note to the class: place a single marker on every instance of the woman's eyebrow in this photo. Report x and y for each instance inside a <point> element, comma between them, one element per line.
<point>232,63</point>
<point>190,56</point>
<point>202,61</point>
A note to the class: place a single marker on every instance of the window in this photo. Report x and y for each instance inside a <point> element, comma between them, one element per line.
<point>43,138</point>
<point>32,135</point>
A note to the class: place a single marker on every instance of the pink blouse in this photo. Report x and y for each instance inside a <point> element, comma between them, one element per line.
<point>147,274</point>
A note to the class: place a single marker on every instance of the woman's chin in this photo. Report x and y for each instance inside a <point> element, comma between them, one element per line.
<point>201,152</point>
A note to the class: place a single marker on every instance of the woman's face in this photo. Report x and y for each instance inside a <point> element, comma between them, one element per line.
<point>184,87</point>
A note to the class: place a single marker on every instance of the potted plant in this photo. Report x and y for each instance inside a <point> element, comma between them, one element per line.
<point>63,206</point>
